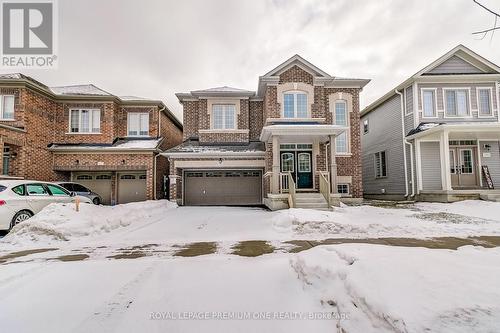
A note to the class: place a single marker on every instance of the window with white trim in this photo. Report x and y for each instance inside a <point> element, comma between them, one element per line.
<point>224,116</point>
<point>84,120</point>
<point>380,164</point>
<point>484,98</point>
<point>138,124</point>
<point>365,126</point>
<point>341,119</point>
<point>7,107</point>
<point>457,103</point>
<point>295,104</point>
<point>428,102</point>
<point>343,188</point>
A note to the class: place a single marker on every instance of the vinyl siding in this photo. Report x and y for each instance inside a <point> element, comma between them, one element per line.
<point>455,65</point>
<point>431,166</point>
<point>440,88</point>
<point>492,162</point>
<point>385,134</point>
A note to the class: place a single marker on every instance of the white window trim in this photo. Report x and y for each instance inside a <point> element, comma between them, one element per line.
<point>348,130</point>
<point>224,129</point>
<point>405,98</point>
<point>422,90</point>
<point>1,108</point>
<point>348,189</point>
<point>80,121</point>
<point>295,92</point>
<point>469,103</point>
<point>492,113</point>
<point>128,125</point>
<point>375,164</point>
<point>367,120</point>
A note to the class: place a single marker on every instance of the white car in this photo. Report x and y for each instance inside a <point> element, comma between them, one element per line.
<point>21,199</point>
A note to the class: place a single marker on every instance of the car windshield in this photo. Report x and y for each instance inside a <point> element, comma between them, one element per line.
<point>2,188</point>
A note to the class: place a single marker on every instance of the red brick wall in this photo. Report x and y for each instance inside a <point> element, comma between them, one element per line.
<point>256,119</point>
<point>190,119</point>
<point>296,74</point>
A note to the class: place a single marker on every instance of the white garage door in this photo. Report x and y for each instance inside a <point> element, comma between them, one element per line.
<point>131,187</point>
<point>99,183</point>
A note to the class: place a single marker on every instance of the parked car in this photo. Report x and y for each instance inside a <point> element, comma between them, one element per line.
<point>21,199</point>
<point>79,189</point>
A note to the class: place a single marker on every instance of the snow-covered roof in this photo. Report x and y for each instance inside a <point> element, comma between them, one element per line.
<point>195,147</point>
<point>423,127</point>
<point>222,89</point>
<point>12,76</point>
<point>80,89</point>
<point>132,98</point>
<point>119,144</point>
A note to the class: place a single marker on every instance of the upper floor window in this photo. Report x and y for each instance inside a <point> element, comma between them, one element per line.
<point>85,120</point>
<point>365,126</point>
<point>457,104</point>
<point>429,102</point>
<point>7,107</point>
<point>138,124</point>
<point>295,104</point>
<point>484,98</point>
<point>224,116</point>
<point>341,119</point>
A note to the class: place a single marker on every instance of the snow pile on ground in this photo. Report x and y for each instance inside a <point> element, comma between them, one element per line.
<point>380,288</point>
<point>61,222</point>
<point>461,219</point>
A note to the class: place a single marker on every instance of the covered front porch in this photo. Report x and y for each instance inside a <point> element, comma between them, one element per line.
<point>457,161</point>
<point>300,162</point>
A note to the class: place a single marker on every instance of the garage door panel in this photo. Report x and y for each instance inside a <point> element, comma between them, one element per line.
<point>131,187</point>
<point>99,183</point>
<point>223,187</point>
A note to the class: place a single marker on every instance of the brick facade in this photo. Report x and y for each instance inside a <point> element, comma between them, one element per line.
<point>42,118</point>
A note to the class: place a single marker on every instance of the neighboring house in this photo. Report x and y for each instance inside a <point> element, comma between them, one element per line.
<point>84,134</point>
<point>297,135</point>
<point>431,136</point>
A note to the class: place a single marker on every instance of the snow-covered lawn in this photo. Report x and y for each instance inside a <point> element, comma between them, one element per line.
<point>330,288</point>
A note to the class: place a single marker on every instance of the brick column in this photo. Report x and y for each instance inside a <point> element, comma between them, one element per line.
<point>333,165</point>
<point>172,184</point>
<point>275,186</point>
<point>1,155</point>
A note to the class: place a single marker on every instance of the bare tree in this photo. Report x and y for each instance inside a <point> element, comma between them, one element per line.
<point>484,33</point>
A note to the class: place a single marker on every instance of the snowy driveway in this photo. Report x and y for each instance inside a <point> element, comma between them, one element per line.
<point>115,269</point>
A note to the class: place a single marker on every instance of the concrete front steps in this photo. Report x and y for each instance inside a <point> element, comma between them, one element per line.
<point>490,197</point>
<point>311,201</point>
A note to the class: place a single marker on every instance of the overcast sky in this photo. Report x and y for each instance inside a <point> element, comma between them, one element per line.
<point>155,48</point>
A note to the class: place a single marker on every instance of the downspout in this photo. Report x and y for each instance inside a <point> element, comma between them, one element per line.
<point>404,141</point>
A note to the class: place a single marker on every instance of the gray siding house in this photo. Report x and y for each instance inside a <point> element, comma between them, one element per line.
<point>436,136</point>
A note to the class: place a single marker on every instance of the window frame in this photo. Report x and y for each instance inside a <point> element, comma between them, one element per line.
<point>434,93</point>
<point>348,189</point>
<point>2,110</point>
<point>382,172</point>
<point>224,109</point>
<point>295,93</point>
<point>47,192</point>
<point>366,127</point>
<point>65,191</point>
<point>478,97</point>
<point>139,114</point>
<point>467,104</point>
<point>92,111</point>
<point>348,126</point>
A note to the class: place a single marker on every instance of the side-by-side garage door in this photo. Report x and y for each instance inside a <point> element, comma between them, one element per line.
<point>131,187</point>
<point>100,183</point>
<point>223,187</point>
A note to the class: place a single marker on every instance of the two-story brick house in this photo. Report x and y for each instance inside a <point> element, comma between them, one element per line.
<point>293,142</point>
<point>83,133</point>
<point>434,135</point>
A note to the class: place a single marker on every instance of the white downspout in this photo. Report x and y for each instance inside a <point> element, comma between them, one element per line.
<point>404,140</point>
<point>412,170</point>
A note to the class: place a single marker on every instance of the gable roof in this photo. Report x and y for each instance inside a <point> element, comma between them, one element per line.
<point>80,89</point>
<point>224,91</point>
<point>476,65</point>
<point>297,60</point>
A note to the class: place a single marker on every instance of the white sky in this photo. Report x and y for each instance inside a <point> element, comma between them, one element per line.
<point>156,48</point>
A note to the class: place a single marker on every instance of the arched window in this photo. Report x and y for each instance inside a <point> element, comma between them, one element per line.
<point>295,104</point>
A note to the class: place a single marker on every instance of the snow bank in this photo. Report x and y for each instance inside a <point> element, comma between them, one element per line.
<point>397,289</point>
<point>61,222</point>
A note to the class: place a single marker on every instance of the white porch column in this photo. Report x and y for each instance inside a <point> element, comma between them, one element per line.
<point>275,185</point>
<point>1,156</point>
<point>333,165</point>
<point>444,144</point>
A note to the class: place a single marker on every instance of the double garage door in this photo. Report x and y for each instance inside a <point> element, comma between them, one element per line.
<point>131,186</point>
<point>223,187</point>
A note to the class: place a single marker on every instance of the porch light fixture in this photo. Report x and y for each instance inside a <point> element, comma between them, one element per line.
<point>220,160</point>
<point>123,162</point>
<point>487,147</point>
<point>77,162</point>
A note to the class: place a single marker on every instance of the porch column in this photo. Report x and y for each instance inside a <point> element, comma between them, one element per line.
<point>275,185</point>
<point>445,161</point>
<point>333,165</point>
<point>1,155</point>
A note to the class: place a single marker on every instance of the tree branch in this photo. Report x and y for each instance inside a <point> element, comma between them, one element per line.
<point>484,7</point>
<point>485,31</point>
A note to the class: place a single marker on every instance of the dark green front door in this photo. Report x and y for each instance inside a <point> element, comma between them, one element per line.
<point>299,164</point>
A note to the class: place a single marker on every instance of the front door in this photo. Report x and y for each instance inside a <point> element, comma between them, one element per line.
<point>299,164</point>
<point>463,167</point>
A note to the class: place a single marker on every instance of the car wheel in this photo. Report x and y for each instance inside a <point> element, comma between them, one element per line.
<point>20,216</point>
<point>96,201</point>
